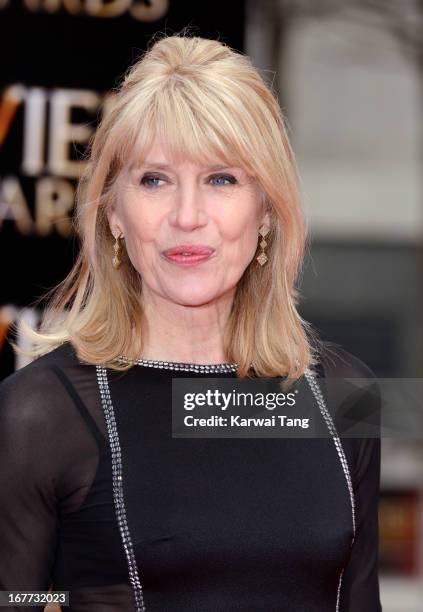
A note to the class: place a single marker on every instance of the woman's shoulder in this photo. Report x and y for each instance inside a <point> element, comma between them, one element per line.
<point>334,361</point>
<point>353,394</point>
<point>42,435</point>
<point>61,356</point>
<point>37,388</point>
<point>348,380</point>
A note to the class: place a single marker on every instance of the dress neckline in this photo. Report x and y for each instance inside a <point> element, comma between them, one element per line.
<point>181,365</point>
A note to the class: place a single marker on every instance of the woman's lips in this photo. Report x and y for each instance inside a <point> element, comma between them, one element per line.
<point>187,260</point>
<point>188,255</point>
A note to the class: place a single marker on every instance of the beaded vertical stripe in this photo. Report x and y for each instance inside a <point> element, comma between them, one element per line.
<point>314,386</point>
<point>118,487</point>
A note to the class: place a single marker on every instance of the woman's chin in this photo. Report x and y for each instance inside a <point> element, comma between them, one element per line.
<point>193,297</point>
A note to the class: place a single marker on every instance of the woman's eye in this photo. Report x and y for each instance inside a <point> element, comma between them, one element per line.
<point>150,180</point>
<point>223,177</point>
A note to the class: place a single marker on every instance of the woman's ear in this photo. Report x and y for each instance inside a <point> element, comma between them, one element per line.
<point>114,223</point>
<point>266,210</point>
<point>265,220</point>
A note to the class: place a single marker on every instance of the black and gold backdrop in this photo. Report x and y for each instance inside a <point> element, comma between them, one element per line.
<point>59,61</point>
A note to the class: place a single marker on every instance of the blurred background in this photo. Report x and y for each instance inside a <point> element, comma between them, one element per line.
<point>349,76</point>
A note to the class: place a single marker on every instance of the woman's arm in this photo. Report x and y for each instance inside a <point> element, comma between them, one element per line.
<point>360,583</point>
<point>28,470</point>
<point>47,462</point>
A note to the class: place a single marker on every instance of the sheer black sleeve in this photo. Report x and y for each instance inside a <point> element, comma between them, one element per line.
<point>360,581</point>
<point>360,586</point>
<point>47,462</point>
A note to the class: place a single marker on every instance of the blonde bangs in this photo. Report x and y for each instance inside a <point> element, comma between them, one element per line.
<point>188,129</point>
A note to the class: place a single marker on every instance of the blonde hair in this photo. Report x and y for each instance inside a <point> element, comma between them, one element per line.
<point>207,101</point>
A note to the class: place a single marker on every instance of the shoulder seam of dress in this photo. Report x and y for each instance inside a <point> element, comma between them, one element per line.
<point>82,409</point>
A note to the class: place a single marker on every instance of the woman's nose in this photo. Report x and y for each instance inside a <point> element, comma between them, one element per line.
<point>188,210</point>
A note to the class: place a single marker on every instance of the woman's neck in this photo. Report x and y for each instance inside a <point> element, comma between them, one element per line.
<point>189,334</point>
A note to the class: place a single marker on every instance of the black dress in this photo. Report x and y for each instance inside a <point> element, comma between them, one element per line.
<point>256,524</point>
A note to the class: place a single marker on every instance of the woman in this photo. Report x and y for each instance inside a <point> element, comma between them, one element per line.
<point>187,173</point>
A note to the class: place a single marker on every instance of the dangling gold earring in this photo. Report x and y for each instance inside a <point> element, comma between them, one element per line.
<point>262,258</point>
<point>116,261</point>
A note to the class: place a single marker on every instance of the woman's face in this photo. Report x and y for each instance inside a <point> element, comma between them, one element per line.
<point>161,205</point>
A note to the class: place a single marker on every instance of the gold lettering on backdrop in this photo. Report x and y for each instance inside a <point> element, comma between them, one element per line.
<point>34,131</point>
<point>62,132</point>
<point>151,11</point>
<point>51,6</point>
<point>138,9</point>
<point>11,99</point>
<point>113,8</point>
<point>13,205</point>
<point>54,198</point>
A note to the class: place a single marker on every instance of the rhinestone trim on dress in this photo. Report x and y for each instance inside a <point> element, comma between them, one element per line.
<point>314,386</point>
<point>338,591</point>
<point>118,486</point>
<point>180,366</point>
<point>117,457</point>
